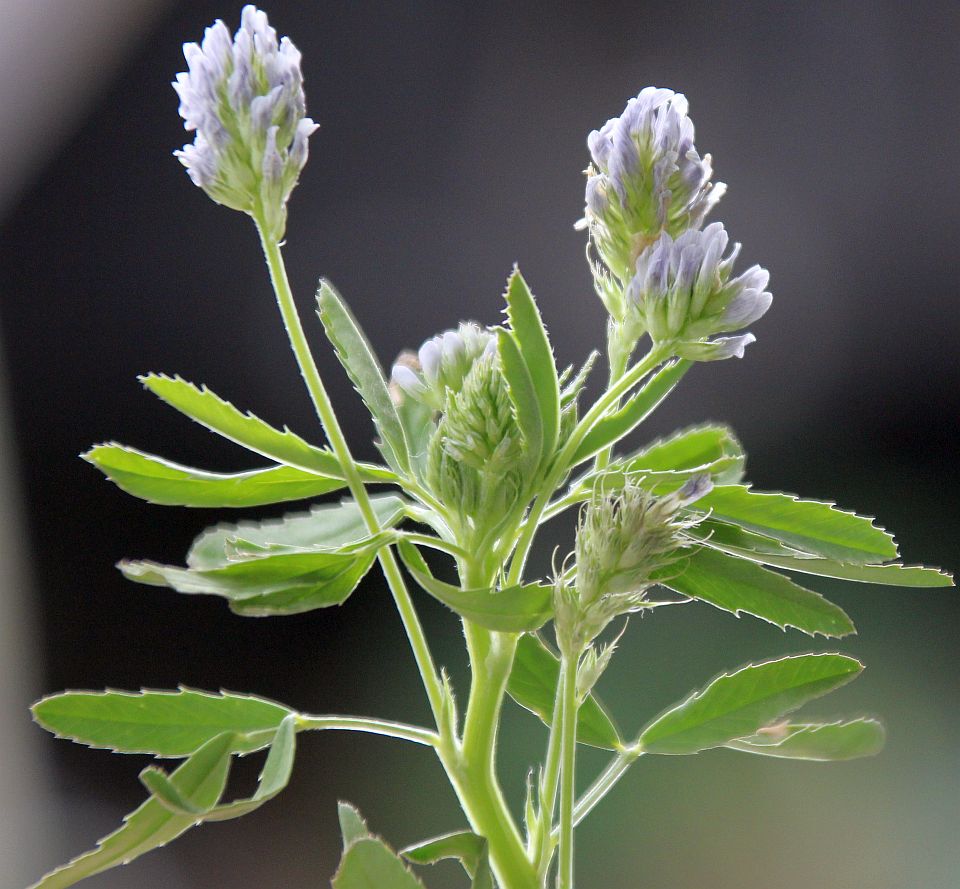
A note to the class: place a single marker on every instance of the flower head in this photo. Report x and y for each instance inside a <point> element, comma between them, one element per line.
<point>683,291</point>
<point>646,178</point>
<point>244,99</point>
<point>442,363</point>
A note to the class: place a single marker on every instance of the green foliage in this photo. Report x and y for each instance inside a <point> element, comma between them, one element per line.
<point>816,742</point>
<point>533,685</point>
<point>164,723</point>
<point>468,848</point>
<point>357,357</point>
<point>367,862</point>
<point>166,483</point>
<point>737,585</point>
<point>737,705</point>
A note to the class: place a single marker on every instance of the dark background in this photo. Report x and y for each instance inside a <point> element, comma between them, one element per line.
<point>451,143</point>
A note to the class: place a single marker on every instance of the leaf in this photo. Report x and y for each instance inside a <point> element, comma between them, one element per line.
<point>736,585</point>
<point>767,551</point>
<point>273,778</point>
<point>370,864</point>
<point>208,409</point>
<point>523,395</point>
<point>352,825</point>
<point>272,585</point>
<point>164,482</point>
<point>817,742</point>
<point>163,723</point>
<point>464,845</point>
<point>200,778</point>
<point>613,427</point>
<point>515,609</point>
<point>736,705</point>
<point>811,526</point>
<point>330,526</point>
<point>358,359</point>
<point>534,345</point>
<point>710,448</point>
<point>533,685</point>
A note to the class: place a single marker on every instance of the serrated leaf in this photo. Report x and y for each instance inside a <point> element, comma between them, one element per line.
<point>358,359</point>
<point>533,685</point>
<point>636,409</point>
<point>352,825</point>
<point>534,344</point>
<point>816,742</point>
<point>737,585</point>
<point>273,778</point>
<point>514,609</point>
<point>166,483</point>
<point>810,526</point>
<point>163,723</point>
<point>465,846</point>
<point>736,705</point>
<point>201,778</point>
<point>370,864</point>
<point>268,586</point>
<point>330,526</point>
<point>709,448</point>
<point>523,395</point>
<point>767,551</point>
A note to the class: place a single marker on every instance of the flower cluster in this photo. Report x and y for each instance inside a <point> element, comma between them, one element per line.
<point>244,99</point>
<point>684,293</point>
<point>623,542</point>
<point>646,177</point>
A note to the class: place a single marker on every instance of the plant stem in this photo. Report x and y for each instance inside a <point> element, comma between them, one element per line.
<point>568,758</point>
<point>562,464</point>
<point>617,358</point>
<point>384,727</point>
<point>549,783</point>
<point>324,408</point>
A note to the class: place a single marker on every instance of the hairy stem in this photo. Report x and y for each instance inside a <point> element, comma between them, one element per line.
<point>324,408</point>
<point>617,358</point>
<point>568,758</point>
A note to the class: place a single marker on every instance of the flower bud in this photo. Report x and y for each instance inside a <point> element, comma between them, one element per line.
<point>646,178</point>
<point>244,100</point>
<point>684,293</point>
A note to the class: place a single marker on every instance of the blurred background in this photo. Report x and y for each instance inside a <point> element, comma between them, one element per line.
<point>451,144</point>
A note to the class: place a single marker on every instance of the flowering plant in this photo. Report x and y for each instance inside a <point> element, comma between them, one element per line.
<point>482,441</point>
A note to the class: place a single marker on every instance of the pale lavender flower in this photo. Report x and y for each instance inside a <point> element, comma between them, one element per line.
<point>244,99</point>
<point>684,293</point>
<point>646,177</point>
<point>442,363</point>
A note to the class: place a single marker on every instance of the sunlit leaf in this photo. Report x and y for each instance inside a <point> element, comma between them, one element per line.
<point>370,864</point>
<point>819,742</point>
<point>468,848</point>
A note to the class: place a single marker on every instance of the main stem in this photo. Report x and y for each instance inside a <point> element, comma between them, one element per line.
<point>568,758</point>
<point>324,408</point>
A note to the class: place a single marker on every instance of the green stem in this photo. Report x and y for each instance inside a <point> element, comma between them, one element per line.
<point>473,769</point>
<point>324,408</point>
<point>549,784</point>
<point>568,758</point>
<point>384,727</point>
<point>562,464</point>
<point>617,358</point>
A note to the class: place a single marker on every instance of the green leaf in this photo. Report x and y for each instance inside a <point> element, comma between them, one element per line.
<point>164,482</point>
<point>515,609</point>
<point>201,778</point>
<point>711,448</point>
<point>330,527</point>
<point>274,777</point>
<point>208,409</point>
<point>370,864</point>
<point>464,845</point>
<point>736,585</point>
<point>810,526</point>
<point>531,338</point>
<point>767,551</point>
<point>262,587</point>
<point>163,723</point>
<point>352,825</point>
<point>358,359</point>
<point>533,685</point>
<point>818,742</point>
<point>737,705</point>
<point>523,395</point>
<point>613,427</point>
